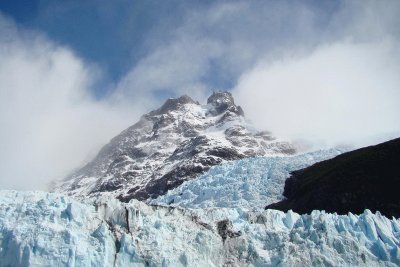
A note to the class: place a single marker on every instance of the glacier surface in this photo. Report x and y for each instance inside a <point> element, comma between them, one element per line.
<point>49,229</point>
<point>250,183</point>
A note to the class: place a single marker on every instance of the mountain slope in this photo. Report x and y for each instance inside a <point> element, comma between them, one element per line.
<point>170,145</point>
<point>365,178</point>
<point>42,229</point>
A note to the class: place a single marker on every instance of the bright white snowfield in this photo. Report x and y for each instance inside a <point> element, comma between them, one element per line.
<point>250,183</point>
<point>48,229</point>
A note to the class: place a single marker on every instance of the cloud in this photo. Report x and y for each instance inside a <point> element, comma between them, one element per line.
<point>343,93</point>
<point>50,123</point>
<point>215,44</point>
<point>345,90</point>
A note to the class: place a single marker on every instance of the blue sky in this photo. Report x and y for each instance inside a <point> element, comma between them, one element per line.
<point>117,35</point>
<point>73,74</point>
<point>114,35</point>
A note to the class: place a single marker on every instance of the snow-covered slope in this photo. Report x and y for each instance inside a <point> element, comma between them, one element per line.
<point>249,183</point>
<point>45,229</point>
<point>170,145</point>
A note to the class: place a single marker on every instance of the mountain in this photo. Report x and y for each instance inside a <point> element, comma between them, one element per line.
<point>367,178</point>
<point>47,229</point>
<point>170,145</point>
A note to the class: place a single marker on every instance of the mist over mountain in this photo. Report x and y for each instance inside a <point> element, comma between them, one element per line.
<point>73,76</point>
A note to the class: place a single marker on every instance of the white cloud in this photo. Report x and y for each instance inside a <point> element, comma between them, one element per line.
<point>344,90</point>
<point>217,43</point>
<point>343,93</point>
<point>49,122</point>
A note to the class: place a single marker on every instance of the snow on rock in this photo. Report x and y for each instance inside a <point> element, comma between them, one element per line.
<point>170,145</point>
<point>48,229</point>
<point>249,183</point>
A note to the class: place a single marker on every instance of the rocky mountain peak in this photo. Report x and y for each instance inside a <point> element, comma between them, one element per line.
<point>174,104</point>
<point>175,143</point>
<point>223,101</point>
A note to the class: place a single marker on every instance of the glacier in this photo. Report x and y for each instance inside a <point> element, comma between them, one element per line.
<point>250,183</point>
<point>50,229</point>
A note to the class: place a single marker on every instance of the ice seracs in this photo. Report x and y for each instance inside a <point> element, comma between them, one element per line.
<point>249,183</point>
<point>175,143</point>
<point>46,229</point>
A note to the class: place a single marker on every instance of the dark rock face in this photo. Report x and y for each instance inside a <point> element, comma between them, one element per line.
<point>177,142</point>
<point>223,101</point>
<point>367,178</point>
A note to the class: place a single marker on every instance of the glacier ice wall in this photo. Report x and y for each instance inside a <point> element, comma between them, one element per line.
<point>250,183</point>
<point>45,229</point>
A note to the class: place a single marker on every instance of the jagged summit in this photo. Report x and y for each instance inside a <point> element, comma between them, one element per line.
<point>220,97</point>
<point>223,101</point>
<point>172,144</point>
<point>174,104</point>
